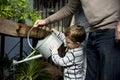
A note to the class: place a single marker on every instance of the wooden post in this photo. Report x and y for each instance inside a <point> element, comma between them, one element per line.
<point>21,48</point>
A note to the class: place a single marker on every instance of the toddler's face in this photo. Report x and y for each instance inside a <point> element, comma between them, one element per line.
<point>71,44</point>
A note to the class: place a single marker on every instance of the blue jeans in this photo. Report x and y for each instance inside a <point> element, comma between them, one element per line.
<point>103,56</point>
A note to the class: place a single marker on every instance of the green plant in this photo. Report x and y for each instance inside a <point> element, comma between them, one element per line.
<point>6,60</point>
<point>5,66</point>
<point>31,70</point>
<point>18,10</point>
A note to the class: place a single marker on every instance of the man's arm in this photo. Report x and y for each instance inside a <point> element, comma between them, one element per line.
<point>66,11</point>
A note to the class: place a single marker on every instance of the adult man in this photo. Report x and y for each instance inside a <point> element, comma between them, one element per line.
<point>102,48</point>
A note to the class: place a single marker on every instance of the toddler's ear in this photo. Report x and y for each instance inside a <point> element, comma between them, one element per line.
<point>78,43</point>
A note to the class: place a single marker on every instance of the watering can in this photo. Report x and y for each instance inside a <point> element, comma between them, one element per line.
<point>43,47</point>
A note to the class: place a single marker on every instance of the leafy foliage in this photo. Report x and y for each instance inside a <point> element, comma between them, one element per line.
<point>5,66</point>
<point>6,60</point>
<point>31,70</point>
<point>18,10</point>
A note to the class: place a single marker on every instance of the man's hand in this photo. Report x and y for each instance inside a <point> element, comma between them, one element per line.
<point>117,33</point>
<point>39,23</point>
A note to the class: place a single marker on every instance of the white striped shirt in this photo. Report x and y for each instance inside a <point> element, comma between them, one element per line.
<point>73,62</point>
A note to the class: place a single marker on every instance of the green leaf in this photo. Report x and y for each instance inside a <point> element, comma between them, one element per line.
<point>18,10</point>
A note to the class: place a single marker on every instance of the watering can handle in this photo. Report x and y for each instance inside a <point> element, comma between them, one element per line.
<point>28,40</point>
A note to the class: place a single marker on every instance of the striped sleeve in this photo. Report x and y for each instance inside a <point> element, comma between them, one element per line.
<point>67,60</point>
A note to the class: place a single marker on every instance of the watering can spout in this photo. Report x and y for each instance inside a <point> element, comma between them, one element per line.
<point>14,62</point>
<point>27,58</point>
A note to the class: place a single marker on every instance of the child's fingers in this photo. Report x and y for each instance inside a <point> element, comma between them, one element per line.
<point>54,30</point>
<point>53,47</point>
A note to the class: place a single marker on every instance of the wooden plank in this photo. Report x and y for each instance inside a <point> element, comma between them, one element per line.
<point>8,27</point>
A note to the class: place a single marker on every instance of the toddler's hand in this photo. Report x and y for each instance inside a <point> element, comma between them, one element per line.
<point>54,30</point>
<point>53,47</point>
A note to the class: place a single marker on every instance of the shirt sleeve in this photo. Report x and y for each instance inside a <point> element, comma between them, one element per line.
<point>67,60</point>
